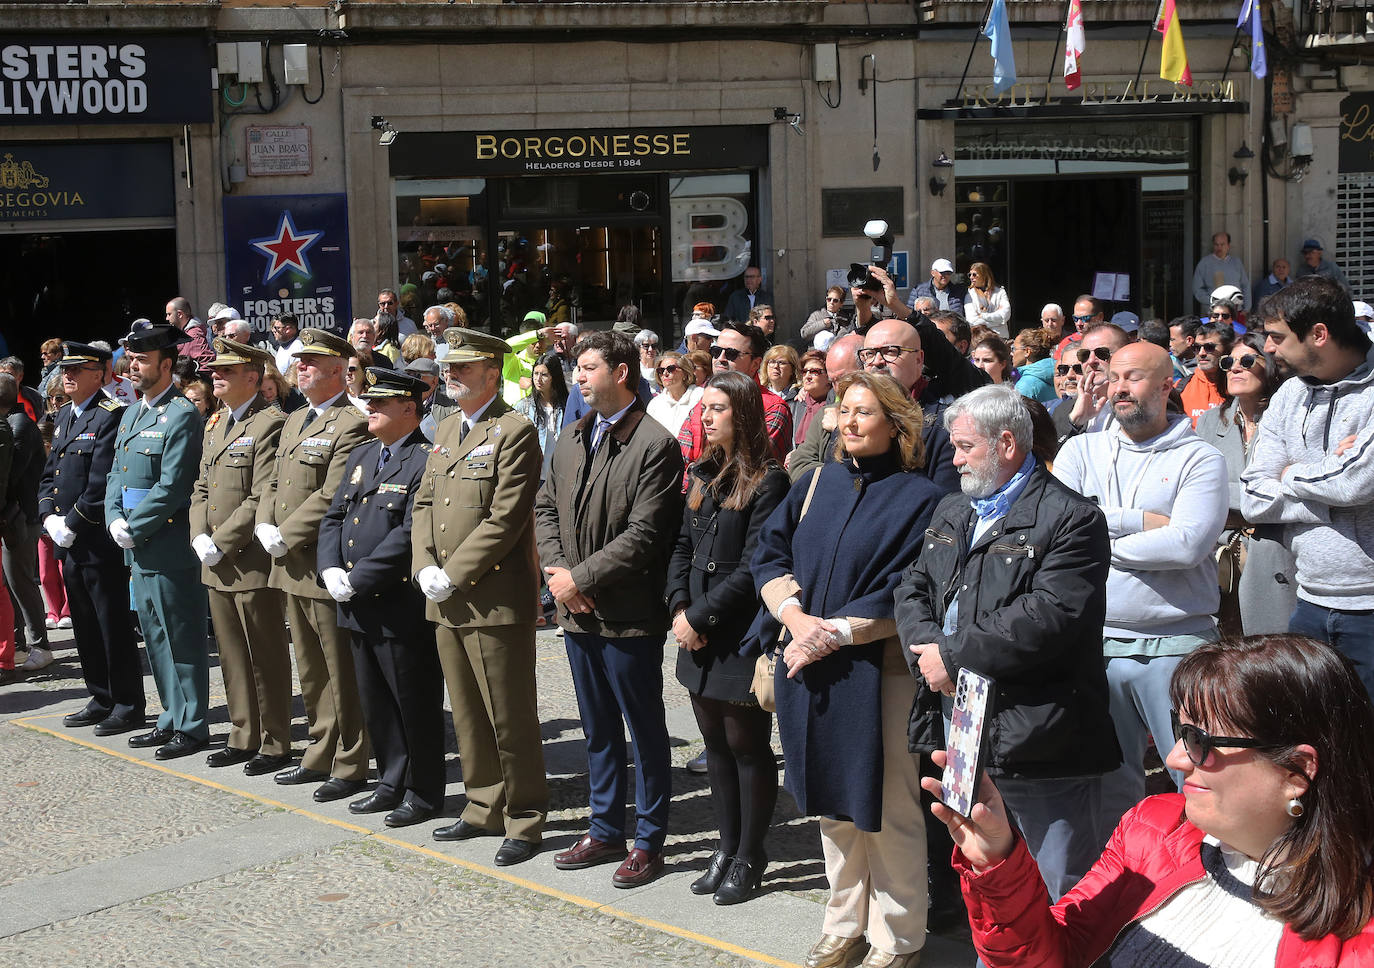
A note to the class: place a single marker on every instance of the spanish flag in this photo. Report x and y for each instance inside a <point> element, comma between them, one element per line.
<point>1173,62</point>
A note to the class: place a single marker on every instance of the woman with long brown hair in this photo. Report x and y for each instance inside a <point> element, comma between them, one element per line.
<point>987,303</point>
<point>710,594</point>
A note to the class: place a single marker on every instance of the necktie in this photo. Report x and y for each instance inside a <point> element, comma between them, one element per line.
<point>603,426</point>
<point>463,429</point>
<point>310,416</point>
<point>385,456</point>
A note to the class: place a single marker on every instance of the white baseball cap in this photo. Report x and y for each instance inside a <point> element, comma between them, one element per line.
<point>698,326</point>
<point>941,265</point>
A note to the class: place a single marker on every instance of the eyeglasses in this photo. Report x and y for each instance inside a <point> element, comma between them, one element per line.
<point>666,369</point>
<point>1220,316</point>
<point>648,346</point>
<point>833,299</point>
<point>1063,368</point>
<point>769,318</point>
<point>1083,319</point>
<point>889,353</point>
<point>1246,362</point>
<point>1198,743</point>
<point>813,371</point>
<point>1212,348</point>
<point>778,363</point>
<point>1103,353</point>
<point>730,353</point>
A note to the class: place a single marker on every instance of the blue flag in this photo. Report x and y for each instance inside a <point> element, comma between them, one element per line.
<point>1003,60</point>
<point>1249,10</point>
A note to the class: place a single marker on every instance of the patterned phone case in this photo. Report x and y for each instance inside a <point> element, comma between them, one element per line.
<point>967,741</point>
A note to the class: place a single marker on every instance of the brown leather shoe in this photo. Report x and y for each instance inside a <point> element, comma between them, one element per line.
<point>588,852</point>
<point>641,867</point>
<point>832,951</point>
<point>884,959</point>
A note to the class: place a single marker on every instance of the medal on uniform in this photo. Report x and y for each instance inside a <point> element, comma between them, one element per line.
<point>357,477</point>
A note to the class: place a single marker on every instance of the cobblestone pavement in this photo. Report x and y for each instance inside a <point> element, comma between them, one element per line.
<point>108,854</point>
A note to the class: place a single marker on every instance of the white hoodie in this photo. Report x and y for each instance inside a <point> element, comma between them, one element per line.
<point>1162,581</point>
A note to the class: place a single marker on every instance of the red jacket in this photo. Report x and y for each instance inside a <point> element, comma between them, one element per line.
<point>1153,853</point>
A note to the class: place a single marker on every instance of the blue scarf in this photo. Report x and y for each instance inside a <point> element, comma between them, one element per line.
<point>997,505</point>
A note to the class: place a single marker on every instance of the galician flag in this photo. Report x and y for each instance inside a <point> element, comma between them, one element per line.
<point>1259,62</point>
<point>1173,62</point>
<point>1073,46</point>
<point>1003,60</point>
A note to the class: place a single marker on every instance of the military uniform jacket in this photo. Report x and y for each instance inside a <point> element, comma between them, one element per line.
<point>366,532</point>
<point>236,469</point>
<point>474,519</point>
<point>310,468</point>
<point>73,483</point>
<point>157,455</point>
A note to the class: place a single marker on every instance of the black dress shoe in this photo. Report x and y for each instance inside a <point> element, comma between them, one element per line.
<point>228,757</point>
<point>715,873</point>
<point>181,745</point>
<point>741,882</point>
<point>300,774</point>
<point>114,725</point>
<point>462,830</point>
<point>155,737</point>
<point>336,789</point>
<point>263,763</point>
<point>378,801</point>
<point>86,717</point>
<point>515,851</point>
<point>406,814</point>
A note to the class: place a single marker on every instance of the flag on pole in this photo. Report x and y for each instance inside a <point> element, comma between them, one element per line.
<point>1074,43</point>
<point>1249,10</point>
<point>1173,61</point>
<point>1003,60</point>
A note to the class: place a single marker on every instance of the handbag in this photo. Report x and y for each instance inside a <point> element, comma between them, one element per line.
<point>1231,561</point>
<point>764,686</point>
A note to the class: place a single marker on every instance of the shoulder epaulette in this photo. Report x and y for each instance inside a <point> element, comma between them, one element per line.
<point>108,404</point>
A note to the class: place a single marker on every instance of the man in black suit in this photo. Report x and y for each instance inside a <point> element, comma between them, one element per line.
<point>71,500</point>
<point>364,563</point>
<point>742,301</point>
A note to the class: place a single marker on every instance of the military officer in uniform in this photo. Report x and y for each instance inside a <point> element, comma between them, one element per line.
<point>72,504</point>
<point>238,459</point>
<point>314,448</point>
<point>473,544</point>
<point>147,512</point>
<point>364,561</point>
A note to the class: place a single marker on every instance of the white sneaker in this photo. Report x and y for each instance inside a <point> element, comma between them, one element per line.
<point>39,658</point>
<point>65,622</point>
<point>51,622</point>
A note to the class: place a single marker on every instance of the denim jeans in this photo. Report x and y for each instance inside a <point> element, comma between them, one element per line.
<point>1352,633</point>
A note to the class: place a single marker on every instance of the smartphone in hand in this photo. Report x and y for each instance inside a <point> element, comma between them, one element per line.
<point>966,744</point>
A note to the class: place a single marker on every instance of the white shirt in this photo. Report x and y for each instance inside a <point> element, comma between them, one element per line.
<point>283,355</point>
<point>470,422</point>
<point>672,414</point>
<point>151,402</point>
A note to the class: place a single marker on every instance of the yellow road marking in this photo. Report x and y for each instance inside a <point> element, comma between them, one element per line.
<point>583,902</point>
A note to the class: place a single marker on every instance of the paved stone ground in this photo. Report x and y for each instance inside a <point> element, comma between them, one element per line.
<point>106,850</point>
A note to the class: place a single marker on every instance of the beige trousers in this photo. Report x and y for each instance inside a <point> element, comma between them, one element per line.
<point>878,880</point>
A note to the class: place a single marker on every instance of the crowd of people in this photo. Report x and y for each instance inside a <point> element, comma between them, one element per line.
<point>1153,538</point>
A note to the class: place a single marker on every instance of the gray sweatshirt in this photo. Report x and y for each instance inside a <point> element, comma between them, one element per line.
<point>1162,581</point>
<point>1326,502</point>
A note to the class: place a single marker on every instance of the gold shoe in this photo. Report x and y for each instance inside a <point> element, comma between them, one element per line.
<point>882,959</point>
<point>831,951</point>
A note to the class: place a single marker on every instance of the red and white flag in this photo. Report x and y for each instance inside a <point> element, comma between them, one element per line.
<point>1074,43</point>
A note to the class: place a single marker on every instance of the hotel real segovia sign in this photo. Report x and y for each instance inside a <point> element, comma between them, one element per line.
<point>578,151</point>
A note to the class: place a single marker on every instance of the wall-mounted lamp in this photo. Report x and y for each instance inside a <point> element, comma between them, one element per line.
<point>1243,153</point>
<point>1237,175</point>
<point>942,161</point>
<point>937,185</point>
<point>388,130</point>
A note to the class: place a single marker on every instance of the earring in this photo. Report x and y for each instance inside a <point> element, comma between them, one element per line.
<point>1294,808</point>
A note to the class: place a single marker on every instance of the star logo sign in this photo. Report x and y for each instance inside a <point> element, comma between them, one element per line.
<point>286,249</point>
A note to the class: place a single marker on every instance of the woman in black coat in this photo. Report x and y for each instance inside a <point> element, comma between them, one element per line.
<point>710,594</point>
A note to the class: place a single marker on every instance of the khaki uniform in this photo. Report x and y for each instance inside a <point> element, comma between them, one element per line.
<point>309,468</point>
<point>236,470</point>
<point>473,517</point>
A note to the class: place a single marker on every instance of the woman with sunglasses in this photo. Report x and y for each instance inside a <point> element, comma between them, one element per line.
<point>672,371</point>
<point>1266,594</point>
<point>831,316</point>
<point>987,303</point>
<point>1263,859</point>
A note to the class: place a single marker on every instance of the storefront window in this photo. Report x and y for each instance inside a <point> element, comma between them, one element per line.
<point>711,221</point>
<point>442,251</point>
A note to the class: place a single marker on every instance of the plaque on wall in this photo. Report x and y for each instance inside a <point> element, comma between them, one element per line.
<point>845,210</point>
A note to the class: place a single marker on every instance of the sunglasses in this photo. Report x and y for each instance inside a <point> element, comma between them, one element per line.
<point>1103,353</point>
<point>1063,368</point>
<point>833,299</point>
<point>730,353</point>
<point>769,318</point>
<point>1220,316</point>
<point>1212,348</point>
<point>1198,743</point>
<point>1082,319</point>
<point>813,371</point>
<point>667,369</point>
<point>1246,362</point>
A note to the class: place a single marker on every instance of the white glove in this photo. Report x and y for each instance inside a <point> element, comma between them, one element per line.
<point>434,583</point>
<point>269,536</point>
<point>206,550</point>
<point>337,584</point>
<point>56,526</point>
<point>119,530</point>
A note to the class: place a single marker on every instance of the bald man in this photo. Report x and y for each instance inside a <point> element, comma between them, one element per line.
<point>1164,492</point>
